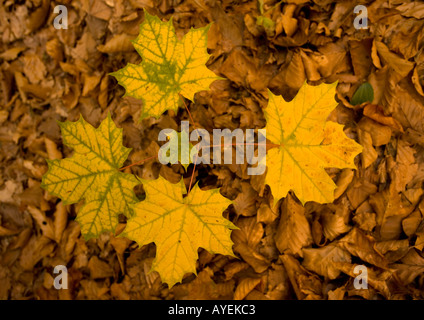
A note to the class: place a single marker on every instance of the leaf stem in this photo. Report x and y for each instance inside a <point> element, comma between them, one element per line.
<point>188,111</point>
<point>138,162</point>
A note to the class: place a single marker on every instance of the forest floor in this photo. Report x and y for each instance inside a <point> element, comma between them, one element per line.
<point>286,252</point>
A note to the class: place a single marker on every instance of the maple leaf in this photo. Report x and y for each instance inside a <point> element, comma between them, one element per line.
<point>307,144</point>
<point>179,226</point>
<point>92,173</point>
<point>170,66</point>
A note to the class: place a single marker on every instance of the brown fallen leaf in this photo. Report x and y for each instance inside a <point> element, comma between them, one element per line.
<point>118,43</point>
<point>399,65</point>
<point>411,266</point>
<point>99,269</point>
<point>376,113</point>
<point>365,220</point>
<point>359,191</point>
<point>305,285</point>
<point>369,155</point>
<point>362,246</point>
<point>343,181</point>
<point>380,134</point>
<point>393,250</point>
<point>38,17</point>
<point>405,168</point>
<point>36,249</point>
<point>245,203</point>
<point>44,223</point>
<point>410,223</point>
<point>246,241</point>
<point>334,224</point>
<point>60,221</point>
<point>321,260</point>
<point>293,232</point>
<point>245,287</point>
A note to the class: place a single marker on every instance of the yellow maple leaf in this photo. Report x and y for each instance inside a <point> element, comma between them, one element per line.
<point>179,226</point>
<point>307,144</point>
<point>92,173</point>
<point>170,67</point>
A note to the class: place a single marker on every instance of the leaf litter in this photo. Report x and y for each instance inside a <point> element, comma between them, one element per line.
<point>48,75</point>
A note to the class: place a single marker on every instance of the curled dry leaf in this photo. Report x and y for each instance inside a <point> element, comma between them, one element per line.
<point>293,232</point>
<point>376,113</point>
<point>43,222</point>
<point>380,134</point>
<point>118,43</point>
<point>60,221</point>
<point>245,203</point>
<point>246,241</point>
<point>362,246</point>
<point>245,287</point>
<point>411,266</point>
<point>321,260</point>
<point>343,181</point>
<point>305,284</point>
<point>334,224</point>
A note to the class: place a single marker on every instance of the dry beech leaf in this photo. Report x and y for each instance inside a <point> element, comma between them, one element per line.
<point>293,232</point>
<point>365,220</point>
<point>416,81</point>
<point>38,17</point>
<point>245,203</point>
<point>337,294</point>
<point>245,287</point>
<point>36,249</point>
<point>60,221</point>
<point>118,43</point>
<point>321,260</point>
<point>411,9</point>
<point>7,232</point>
<point>52,151</point>
<point>359,191</point>
<point>376,113</point>
<point>384,83</point>
<point>401,66</point>
<point>410,224</point>
<point>43,222</point>
<point>306,285</point>
<point>369,154</point>
<point>380,134</point>
<point>405,168</point>
<point>343,182</point>
<point>362,246</point>
<point>333,224</point>
<point>410,111</point>
<point>265,214</point>
<point>12,53</point>
<point>393,250</point>
<point>411,266</point>
<point>246,240</point>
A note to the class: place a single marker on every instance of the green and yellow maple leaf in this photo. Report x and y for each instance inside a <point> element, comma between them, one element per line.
<point>179,226</point>
<point>307,144</point>
<point>169,67</point>
<point>92,174</point>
